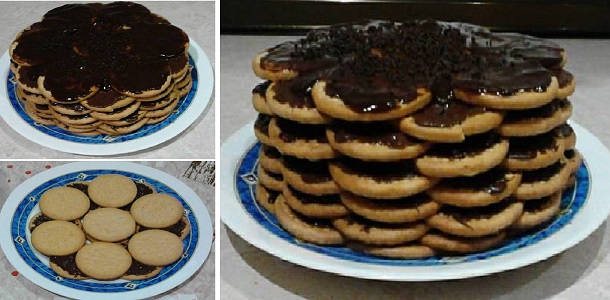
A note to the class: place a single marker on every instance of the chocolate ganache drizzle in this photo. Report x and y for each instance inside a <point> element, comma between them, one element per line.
<point>374,66</point>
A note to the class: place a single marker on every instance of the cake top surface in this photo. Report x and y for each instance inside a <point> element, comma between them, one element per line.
<point>382,59</point>
<point>82,48</point>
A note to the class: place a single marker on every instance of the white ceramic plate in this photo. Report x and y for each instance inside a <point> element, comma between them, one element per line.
<point>186,112</point>
<point>584,208</point>
<point>22,205</point>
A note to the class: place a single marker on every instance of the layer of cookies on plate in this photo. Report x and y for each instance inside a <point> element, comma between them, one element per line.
<point>408,140</point>
<point>109,228</point>
<point>96,68</point>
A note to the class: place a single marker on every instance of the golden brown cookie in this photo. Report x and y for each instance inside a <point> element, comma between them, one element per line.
<point>407,209</point>
<point>461,245</point>
<point>311,177</point>
<point>155,247</point>
<point>480,190</point>
<point>317,231</point>
<point>261,129</point>
<point>536,120</point>
<point>64,203</point>
<point>291,99</point>
<point>543,182</point>
<point>477,154</point>
<point>103,261</point>
<point>266,197</point>
<point>450,121</point>
<point>258,98</point>
<point>57,238</point>
<point>412,250</point>
<point>157,210</point>
<point>539,211</point>
<point>377,233</point>
<point>270,159</point>
<point>306,141</point>
<point>374,141</point>
<point>391,180</point>
<point>109,224</point>
<point>533,152</point>
<point>270,180</point>
<point>312,206</point>
<point>112,190</point>
<point>474,222</point>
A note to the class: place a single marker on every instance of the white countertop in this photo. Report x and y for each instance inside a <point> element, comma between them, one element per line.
<point>13,286</point>
<point>579,273</point>
<point>195,18</point>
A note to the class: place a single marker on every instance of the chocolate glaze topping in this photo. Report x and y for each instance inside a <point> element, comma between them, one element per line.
<point>545,111</point>
<point>529,147</point>
<point>376,65</point>
<point>472,146</point>
<point>292,131</point>
<point>261,88</point>
<point>262,123</point>
<point>39,220</point>
<point>563,77</point>
<point>81,47</point>
<point>379,133</point>
<point>310,171</point>
<point>175,229</point>
<point>368,224</point>
<point>378,171</point>
<point>143,190</point>
<point>310,199</point>
<point>316,222</point>
<point>491,182</point>
<point>536,205</point>
<point>273,196</point>
<point>463,215</point>
<point>543,174</point>
<point>138,268</point>
<point>271,152</point>
<point>406,202</point>
<point>446,113</point>
<point>68,264</point>
<point>296,92</point>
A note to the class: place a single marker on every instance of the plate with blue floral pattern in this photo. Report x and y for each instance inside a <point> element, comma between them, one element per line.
<point>22,205</point>
<point>188,109</point>
<point>583,209</point>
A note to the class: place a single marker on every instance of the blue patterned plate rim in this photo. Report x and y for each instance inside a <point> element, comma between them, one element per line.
<point>189,108</point>
<point>35,267</point>
<point>577,205</point>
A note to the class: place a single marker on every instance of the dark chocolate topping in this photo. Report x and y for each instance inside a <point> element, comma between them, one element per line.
<point>536,205</point>
<point>143,190</point>
<point>271,152</point>
<point>310,171</point>
<point>569,154</point>
<point>379,65</point>
<point>310,199</point>
<point>76,107</point>
<point>317,222</point>
<point>379,133</point>
<point>175,229</point>
<point>378,171</point>
<point>446,113</point>
<point>262,123</point>
<point>82,46</point>
<point>491,182</point>
<point>529,147</point>
<point>563,77</point>
<point>543,174</point>
<point>80,186</point>
<point>405,202</point>
<point>273,196</point>
<point>545,111</point>
<point>42,218</point>
<point>296,92</point>
<point>276,176</point>
<point>472,146</point>
<point>368,224</point>
<point>261,88</point>
<point>68,264</point>
<point>292,131</point>
<point>138,268</point>
<point>464,215</point>
<point>105,97</point>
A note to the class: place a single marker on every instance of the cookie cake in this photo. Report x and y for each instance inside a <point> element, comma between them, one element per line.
<point>409,140</point>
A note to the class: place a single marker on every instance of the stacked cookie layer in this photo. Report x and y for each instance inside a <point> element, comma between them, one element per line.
<point>408,139</point>
<point>101,68</point>
<point>109,228</point>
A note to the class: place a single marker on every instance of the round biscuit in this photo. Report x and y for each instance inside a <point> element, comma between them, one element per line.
<point>112,190</point>
<point>103,261</point>
<point>64,203</point>
<point>57,237</point>
<point>155,247</point>
<point>109,224</point>
<point>157,210</point>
